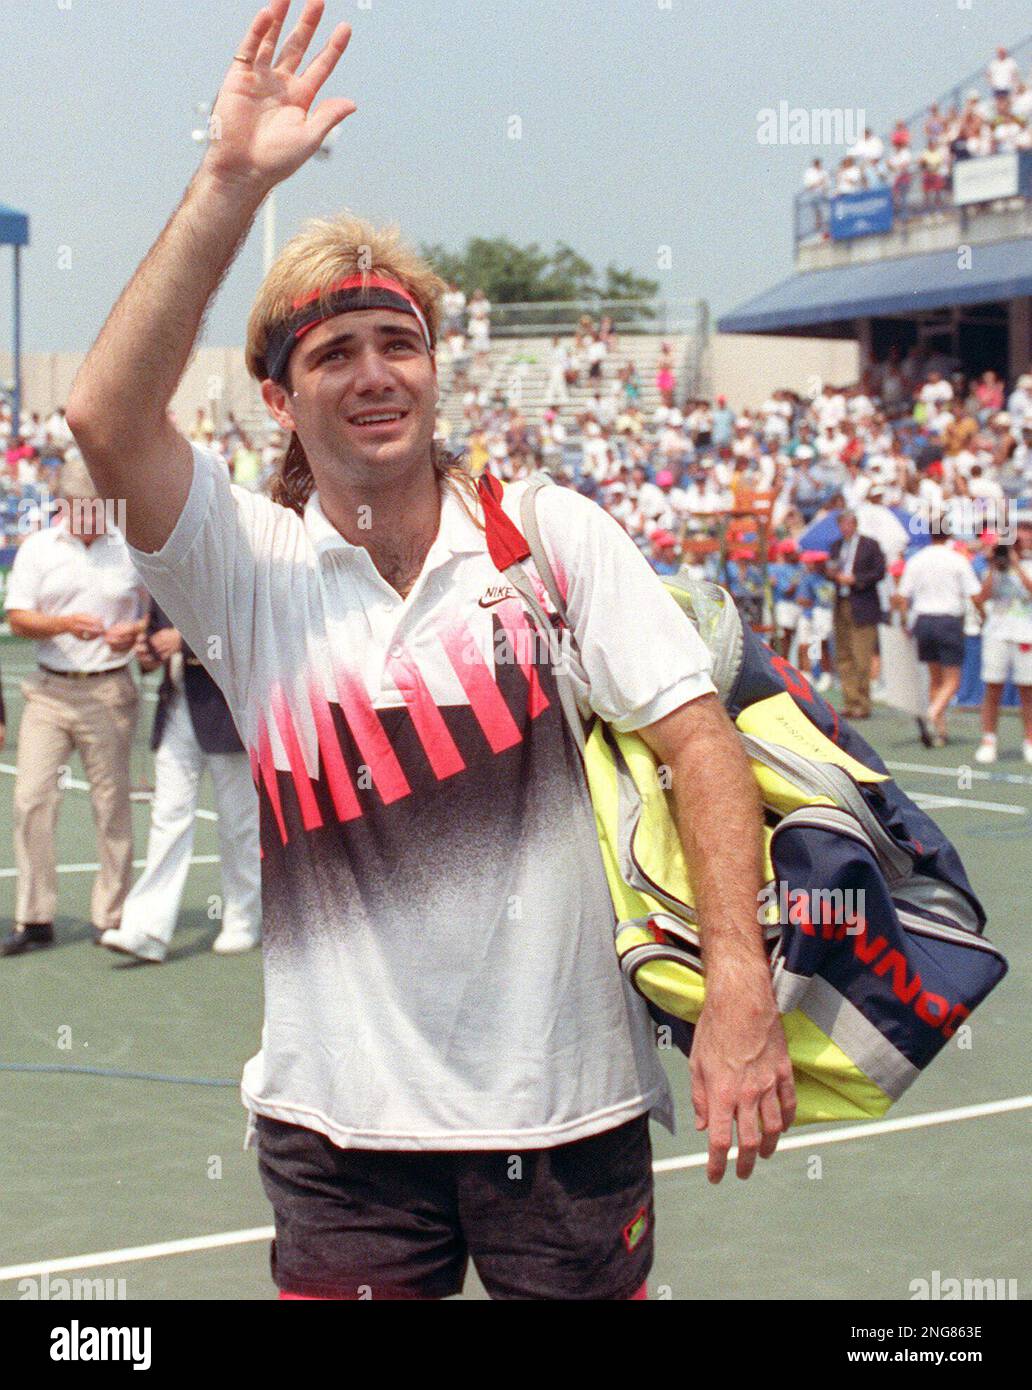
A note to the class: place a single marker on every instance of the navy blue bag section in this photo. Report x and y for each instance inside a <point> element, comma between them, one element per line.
<point>914,988</point>
<point>764,674</point>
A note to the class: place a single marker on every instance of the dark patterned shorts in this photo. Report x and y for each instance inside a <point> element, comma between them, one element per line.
<point>571,1222</point>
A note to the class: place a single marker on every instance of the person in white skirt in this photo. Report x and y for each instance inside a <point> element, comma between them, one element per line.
<point>193,730</point>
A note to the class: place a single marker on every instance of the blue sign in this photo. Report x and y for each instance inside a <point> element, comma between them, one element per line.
<point>861,214</point>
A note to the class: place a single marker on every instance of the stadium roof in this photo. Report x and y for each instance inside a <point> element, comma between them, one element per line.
<point>822,299</point>
<point>14,227</point>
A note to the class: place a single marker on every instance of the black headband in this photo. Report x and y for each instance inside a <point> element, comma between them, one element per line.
<point>356,292</point>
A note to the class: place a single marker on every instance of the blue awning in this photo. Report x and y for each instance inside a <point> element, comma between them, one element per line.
<point>999,271</point>
<point>14,227</point>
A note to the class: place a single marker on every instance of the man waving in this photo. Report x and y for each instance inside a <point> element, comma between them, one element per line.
<point>452,1065</point>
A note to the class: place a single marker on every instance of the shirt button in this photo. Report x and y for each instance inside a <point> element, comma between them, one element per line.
<point>396,650</point>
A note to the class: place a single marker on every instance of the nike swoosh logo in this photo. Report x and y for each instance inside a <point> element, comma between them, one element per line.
<point>493,602</point>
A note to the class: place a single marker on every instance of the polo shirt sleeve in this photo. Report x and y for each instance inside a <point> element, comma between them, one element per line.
<point>24,581</point>
<point>210,572</point>
<point>641,656</point>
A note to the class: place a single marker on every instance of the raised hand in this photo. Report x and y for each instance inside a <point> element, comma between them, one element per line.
<point>264,126</point>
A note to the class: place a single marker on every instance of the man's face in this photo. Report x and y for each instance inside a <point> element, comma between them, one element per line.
<point>362,394</point>
<point>847,525</point>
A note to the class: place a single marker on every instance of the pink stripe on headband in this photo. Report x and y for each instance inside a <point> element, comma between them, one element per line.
<point>363,282</point>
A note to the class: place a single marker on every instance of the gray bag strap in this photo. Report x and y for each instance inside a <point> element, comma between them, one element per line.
<point>520,581</point>
<point>532,535</point>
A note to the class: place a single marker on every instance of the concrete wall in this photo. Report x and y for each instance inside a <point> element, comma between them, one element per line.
<point>212,375</point>
<point>746,367</point>
<point>743,367</point>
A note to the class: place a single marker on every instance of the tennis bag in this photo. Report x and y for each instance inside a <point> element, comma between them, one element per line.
<point>873,932</point>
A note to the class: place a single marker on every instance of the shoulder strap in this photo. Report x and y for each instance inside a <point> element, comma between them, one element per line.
<point>508,549</point>
<point>532,531</point>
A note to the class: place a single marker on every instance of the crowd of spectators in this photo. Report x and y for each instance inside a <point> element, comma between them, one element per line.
<point>34,453</point>
<point>913,447</point>
<point>980,125</point>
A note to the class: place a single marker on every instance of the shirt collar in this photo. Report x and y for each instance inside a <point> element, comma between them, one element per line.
<point>457,533</point>
<point>63,533</point>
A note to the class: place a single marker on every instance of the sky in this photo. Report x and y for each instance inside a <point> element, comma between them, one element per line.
<point>638,123</point>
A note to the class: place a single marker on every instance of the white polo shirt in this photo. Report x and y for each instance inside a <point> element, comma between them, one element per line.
<point>56,573</point>
<point>938,581</point>
<point>438,933</point>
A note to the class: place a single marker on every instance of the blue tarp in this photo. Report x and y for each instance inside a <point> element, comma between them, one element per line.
<point>821,535</point>
<point>1002,270</point>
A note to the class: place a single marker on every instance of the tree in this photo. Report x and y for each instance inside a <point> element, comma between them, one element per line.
<point>511,274</point>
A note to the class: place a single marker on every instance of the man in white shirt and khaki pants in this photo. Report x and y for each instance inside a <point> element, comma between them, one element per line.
<point>74,591</point>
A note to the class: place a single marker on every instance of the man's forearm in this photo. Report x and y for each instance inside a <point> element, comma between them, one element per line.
<point>24,622</point>
<point>130,375</point>
<point>719,820</point>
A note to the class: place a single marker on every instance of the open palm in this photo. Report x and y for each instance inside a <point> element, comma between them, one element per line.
<point>264,125</point>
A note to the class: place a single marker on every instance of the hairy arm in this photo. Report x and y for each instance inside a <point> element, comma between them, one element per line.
<point>119,402</point>
<point>118,409</point>
<point>27,622</point>
<point>740,1069</point>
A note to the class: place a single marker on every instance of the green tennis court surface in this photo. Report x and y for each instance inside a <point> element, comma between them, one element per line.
<point>122,1168</point>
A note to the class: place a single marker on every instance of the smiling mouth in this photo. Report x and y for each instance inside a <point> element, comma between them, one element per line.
<point>371,419</point>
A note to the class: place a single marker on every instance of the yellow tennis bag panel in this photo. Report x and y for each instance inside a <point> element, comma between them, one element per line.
<point>648,878</point>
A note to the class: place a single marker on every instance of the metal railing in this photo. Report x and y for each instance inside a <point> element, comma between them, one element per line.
<point>544,318</point>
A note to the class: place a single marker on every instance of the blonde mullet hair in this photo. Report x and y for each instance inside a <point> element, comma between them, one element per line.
<point>326,250</point>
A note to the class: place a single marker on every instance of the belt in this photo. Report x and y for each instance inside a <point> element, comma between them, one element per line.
<point>81,675</point>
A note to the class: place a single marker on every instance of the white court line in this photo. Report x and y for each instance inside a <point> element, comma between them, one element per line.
<point>1016,778</point>
<point>664,1165</point>
<point>78,785</point>
<point>139,1252</point>
<point>92,868</point>
<point>869,1130</point>
<point>930,801</point>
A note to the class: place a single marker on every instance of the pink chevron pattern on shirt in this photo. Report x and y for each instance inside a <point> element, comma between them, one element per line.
<point>310,816</point>
<point>370,737</point>
<point>268,774</point>
<point>438,744</point>
<point>485,699</point>
<point>345,799</point>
